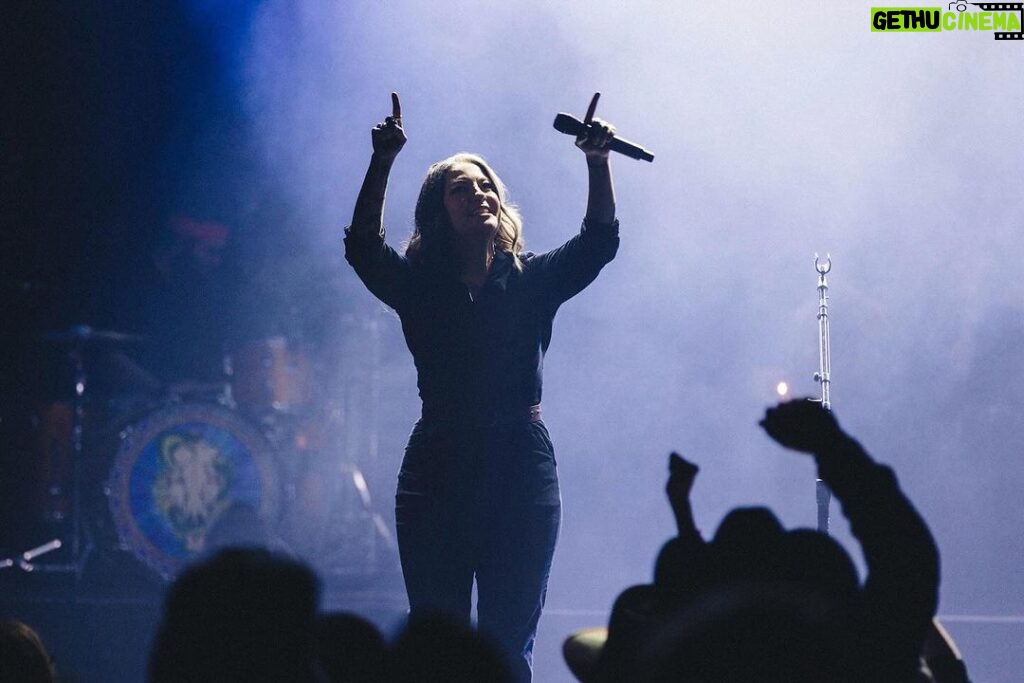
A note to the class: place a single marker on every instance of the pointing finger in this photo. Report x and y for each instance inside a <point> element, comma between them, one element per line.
<point>591,108</point>
<point>396,106</point>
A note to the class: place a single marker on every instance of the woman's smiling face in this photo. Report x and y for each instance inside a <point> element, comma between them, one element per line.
<point>471,200</point>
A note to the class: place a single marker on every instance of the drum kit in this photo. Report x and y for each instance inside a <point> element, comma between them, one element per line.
<point>170,476</point>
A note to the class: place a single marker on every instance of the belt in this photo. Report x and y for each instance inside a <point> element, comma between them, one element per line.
<point>439,416</point>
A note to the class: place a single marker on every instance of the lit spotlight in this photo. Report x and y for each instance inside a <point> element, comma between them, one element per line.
<point>782,389</point>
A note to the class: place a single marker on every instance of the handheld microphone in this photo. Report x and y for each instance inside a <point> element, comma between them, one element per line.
<point>570,125</point>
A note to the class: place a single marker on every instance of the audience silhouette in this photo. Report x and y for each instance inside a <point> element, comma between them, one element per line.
<point>755,603</point>
<point>350,649</point>
<point>248,614</point>
<point>23,657</point>
<point>243,615</point>
<point>760,603</point>
<point>438,648</point>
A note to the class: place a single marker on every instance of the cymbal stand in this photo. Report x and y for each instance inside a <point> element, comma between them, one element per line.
<point>79,550</point>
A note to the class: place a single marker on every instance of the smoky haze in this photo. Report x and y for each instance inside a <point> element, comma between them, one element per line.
<point>780,130</point>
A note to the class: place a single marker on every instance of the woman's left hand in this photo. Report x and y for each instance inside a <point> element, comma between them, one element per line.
<point>598,133</point>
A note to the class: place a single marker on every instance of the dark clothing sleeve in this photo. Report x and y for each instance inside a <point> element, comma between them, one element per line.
<point>900,595</point>
<point>564,272</point>
<point>383,270</point>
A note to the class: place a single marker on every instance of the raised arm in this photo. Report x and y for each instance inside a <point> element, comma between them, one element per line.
<point>901,591</point>
<point>563,272</point>
<point>388,139</point>
<point>594,143</point>
<point>381,269</point>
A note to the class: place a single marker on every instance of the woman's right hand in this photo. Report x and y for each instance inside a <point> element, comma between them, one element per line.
<point>388,137</point>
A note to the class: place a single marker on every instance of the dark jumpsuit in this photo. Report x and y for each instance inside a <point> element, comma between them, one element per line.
<point>478,488</point>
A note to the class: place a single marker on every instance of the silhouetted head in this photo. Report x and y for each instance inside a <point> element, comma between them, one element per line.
<point>439,649</point>
<point>746,546</point>
<point>751,546</point>
<point>243,615</point>
<point>23,657</point>
<point>763,633</point>
<point>350,649</point>
<point>746,525</point>
<point>817,561</point>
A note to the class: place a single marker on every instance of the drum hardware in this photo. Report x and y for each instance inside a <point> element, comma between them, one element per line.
<point>188,471</point>
<point>330,519</point>
<point>358,516</point>
<point>350,471</point>
<point>823,377</point>
<point>271,376</point>
<point>193,391</point>
<point>54,426</point>
<point>332,522</point>
<point>24,561</point>
<point>77,338</point>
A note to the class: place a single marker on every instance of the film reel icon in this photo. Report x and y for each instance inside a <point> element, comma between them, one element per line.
<point>1000,7</point>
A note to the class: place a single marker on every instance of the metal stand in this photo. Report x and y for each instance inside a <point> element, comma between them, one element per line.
<point>823,376</point>
<point>76,338</point>
<point>24,560</point>
<point>330,518</point>
<point>79,549</point>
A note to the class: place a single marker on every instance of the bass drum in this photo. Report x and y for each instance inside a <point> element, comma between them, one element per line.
<point>185,472</point>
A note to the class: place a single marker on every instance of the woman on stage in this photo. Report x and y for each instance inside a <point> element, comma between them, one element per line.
<point>478,490</point>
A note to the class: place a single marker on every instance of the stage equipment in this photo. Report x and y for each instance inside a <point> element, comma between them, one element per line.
<point>76,340</point>
<point>330,519</point>
<point>169,473</point>
<point>823,376</point>
<point>24,560</point>
<point>273,375</point>
<point>186,477</point>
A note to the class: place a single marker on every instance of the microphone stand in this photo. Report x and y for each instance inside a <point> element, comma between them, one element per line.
<point>823,377</point>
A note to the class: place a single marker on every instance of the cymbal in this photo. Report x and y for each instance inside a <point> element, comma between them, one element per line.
<point>85,334</point>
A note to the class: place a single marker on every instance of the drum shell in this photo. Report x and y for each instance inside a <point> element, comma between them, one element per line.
<point>271,375</point>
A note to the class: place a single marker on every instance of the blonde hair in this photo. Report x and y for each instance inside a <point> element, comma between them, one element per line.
<point>431,240</point>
